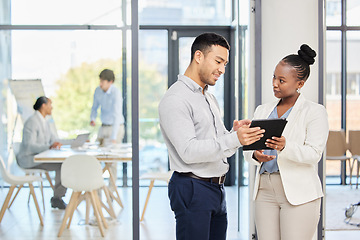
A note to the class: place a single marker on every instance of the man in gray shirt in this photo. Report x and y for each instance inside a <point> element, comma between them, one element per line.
<point>199,144</point>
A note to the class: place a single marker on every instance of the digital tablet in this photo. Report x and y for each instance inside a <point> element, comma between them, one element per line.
<point>273,128</point>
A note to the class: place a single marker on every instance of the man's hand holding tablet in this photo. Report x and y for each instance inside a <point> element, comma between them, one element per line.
<point>272,138</point>
<point>246,134</point>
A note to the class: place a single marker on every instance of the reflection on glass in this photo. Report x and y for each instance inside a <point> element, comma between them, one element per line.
<point>333,78</point>
<point>333,90</point>
<point>353,12</point>
<point>153,80</point>
<point>353,81</point>
<point>61,12</point>
<point>333,12</point>
<point>68,64</point>
<point>184,61</point>
<point>185,12</point>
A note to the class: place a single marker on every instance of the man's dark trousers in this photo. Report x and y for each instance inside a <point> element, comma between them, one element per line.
<point>199,207</point>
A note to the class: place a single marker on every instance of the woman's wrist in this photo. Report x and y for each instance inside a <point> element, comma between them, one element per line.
<point>254,157</point>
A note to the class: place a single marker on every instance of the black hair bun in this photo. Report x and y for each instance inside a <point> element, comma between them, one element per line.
<point>39,102</point>
<point>307,54</point>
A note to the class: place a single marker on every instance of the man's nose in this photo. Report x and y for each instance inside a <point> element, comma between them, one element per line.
<point>222,69</point>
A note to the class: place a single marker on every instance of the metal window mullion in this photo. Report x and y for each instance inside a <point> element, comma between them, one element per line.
<point>343,82</point>
<point>124,89</point>
<point>63,27</point>
<point>343,65</point>
<point>135,118</point>
<point>321,92</point>
<point>258,47</point>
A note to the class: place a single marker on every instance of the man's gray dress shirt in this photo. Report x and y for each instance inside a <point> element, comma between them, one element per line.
<point>194,133</point>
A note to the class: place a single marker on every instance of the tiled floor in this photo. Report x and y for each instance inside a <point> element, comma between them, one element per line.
<point>22,223</point>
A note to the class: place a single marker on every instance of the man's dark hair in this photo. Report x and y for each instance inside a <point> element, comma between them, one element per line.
<point>205,41</point>
<point>108,75</point>
<point>40,101</point>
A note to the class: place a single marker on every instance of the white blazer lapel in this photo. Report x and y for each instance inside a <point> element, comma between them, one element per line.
<point>294,114</point>
<point>265,112</point>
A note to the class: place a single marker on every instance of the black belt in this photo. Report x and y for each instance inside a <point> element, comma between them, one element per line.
<point>106,125</point>
<point>218,180</point>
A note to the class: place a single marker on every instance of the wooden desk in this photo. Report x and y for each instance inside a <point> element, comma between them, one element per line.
<point>56,156</point>
<point>121,154</point>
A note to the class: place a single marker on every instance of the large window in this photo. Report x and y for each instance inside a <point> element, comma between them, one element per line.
<point>343,71</point>
<point>66,50</point>
<point>153,81</point>
<point>185,12</point>
<point>67,12</point>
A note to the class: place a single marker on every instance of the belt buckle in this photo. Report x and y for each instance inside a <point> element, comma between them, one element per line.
<point>221,180</point>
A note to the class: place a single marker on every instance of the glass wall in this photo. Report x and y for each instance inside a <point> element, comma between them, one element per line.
<point>153,82</point>
<point>66,58</point>
<point>185,12</point>
<point>5,72</point>
<point>68,62</point>
<point>343,72</point>
<point>352,12</point>
<point>243,72</point>
<point>164,48</point>
<point>65,44</point>
<point>67,12</point>
<point>353,79</point>
<point>333,92</point>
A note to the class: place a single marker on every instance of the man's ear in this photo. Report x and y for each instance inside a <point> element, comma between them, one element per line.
<point>198,56</point>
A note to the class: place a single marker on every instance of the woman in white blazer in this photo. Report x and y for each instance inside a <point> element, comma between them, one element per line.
<point>287,189</point>
<point>37,137</point>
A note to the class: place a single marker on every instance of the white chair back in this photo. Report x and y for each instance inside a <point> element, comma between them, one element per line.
<point>17,180</point>
<point>4,172</point>
<point>82,173</point>
<point>16,147</point>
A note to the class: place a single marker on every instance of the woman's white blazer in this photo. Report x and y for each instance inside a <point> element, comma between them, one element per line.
<point>306,134</point>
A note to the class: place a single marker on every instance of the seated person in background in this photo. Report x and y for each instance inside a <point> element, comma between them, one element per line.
<point>37,137</point>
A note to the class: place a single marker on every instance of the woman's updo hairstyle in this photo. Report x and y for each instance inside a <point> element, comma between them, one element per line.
<point>39,102</point>
<point>301,61</point>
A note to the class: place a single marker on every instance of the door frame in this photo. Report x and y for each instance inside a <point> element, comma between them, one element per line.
<point>176,32</point>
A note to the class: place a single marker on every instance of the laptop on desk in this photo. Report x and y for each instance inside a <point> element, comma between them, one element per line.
<point>79,140</point>
<point>75,143</point>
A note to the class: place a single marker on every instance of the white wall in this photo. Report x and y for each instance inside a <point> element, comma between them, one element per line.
<point>285,25</point>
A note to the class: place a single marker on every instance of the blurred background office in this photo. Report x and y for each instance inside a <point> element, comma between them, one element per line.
<point>67,43</point>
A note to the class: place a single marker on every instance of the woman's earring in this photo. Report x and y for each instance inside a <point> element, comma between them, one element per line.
<point>298,90</point>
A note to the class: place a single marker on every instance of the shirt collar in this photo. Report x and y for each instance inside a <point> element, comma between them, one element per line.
<point>191,83</point>
<point>43,121</point>
<point>109,90</point>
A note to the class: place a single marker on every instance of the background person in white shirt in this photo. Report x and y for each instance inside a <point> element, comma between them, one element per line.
<point>37,137</point>
<point>109,99</point>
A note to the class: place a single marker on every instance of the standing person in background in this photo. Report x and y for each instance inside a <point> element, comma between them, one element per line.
<point>37,137</point>
<point>288,190</point>
<point>199,144</point>
<point>109,98</point>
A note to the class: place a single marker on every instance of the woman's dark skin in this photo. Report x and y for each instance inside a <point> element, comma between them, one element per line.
<point>286,86</point>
